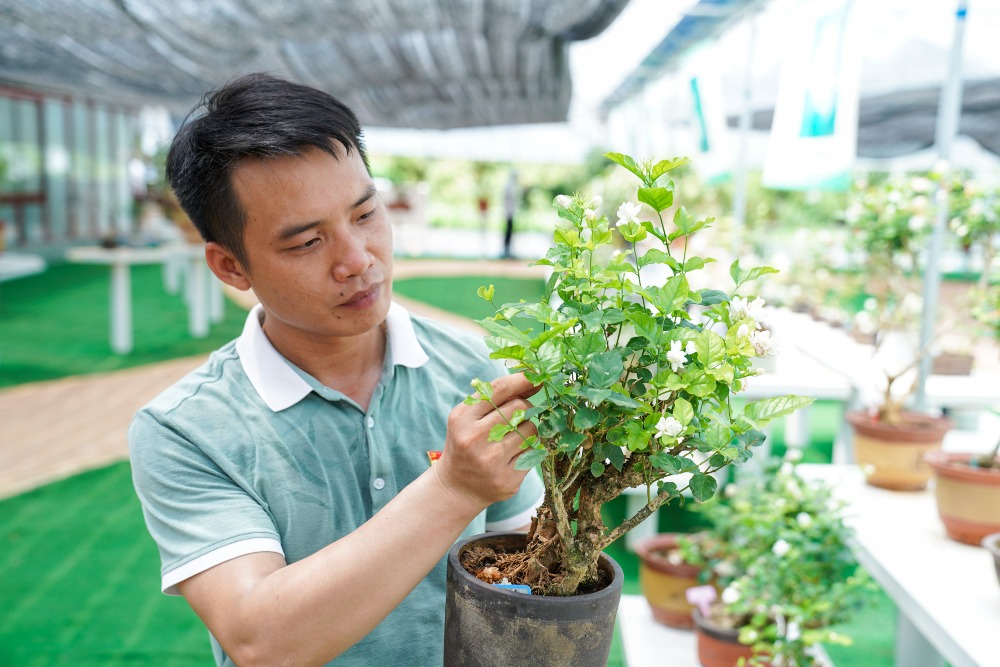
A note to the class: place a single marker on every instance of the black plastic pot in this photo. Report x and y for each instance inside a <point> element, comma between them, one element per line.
<point>487,626</point>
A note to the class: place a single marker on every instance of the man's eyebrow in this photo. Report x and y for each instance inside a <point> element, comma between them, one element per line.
<point>293,230</point>
<point>368,194</point>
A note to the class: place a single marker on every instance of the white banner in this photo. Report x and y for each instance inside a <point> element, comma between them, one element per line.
<point>814,133</point>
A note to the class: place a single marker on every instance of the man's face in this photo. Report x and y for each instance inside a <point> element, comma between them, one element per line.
<point>319,245</point>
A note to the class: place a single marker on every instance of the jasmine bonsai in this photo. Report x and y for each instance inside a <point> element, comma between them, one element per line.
<point>779,552</point>
<point>638,378</point>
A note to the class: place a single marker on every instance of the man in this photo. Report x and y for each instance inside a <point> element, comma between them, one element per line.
<point>288,482</point>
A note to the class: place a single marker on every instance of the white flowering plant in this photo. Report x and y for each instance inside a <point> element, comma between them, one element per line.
<point>889,223</point>
<point>779,553</point>
<point>639,378</point>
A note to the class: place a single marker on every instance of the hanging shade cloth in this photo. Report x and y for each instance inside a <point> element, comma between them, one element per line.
<point>398,63</point>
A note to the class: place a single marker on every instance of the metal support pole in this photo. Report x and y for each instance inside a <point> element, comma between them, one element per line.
<point>949,113</point>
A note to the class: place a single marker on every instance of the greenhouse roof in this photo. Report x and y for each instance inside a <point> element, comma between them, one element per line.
<point>397,63</point>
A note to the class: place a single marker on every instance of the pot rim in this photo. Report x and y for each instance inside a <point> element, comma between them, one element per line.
<point>954,465</point>
<point>932,429</point>
<point>646,549</point>
<point>606,562</point>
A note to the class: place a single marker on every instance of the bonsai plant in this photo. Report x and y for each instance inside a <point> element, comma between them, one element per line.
<point>779,553</point>
<point>888,225</point>
<point>967,493</point>
<point>638,381</point>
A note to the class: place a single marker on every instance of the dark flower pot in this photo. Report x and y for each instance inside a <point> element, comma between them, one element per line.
<point>487,626</point>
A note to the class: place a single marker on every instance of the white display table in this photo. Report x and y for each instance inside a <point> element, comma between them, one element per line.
<point>201,300</point>
<point>946,592</point>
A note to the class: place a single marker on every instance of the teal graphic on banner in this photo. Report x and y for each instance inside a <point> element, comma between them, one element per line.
<point>699,114</point>
<point>819,111</point>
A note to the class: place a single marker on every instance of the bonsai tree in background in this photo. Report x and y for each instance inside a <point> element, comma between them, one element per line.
<point>888,224</point>
<point>638,379</point>
<point>780,554</point>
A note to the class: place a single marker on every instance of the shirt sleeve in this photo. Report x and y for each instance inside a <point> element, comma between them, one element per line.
<point>197,515</point>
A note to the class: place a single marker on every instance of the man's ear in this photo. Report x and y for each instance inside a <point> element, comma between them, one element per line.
<point>226,267</point>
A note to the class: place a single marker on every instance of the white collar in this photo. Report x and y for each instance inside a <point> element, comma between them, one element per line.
<point>281,387</point>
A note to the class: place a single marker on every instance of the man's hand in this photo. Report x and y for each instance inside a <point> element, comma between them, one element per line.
<point>474,467</point>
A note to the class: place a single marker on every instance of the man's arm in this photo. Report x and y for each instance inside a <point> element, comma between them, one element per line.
<point>264,612</point>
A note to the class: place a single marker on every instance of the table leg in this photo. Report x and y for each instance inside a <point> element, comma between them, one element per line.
<point>216,304</point>
<point>197,298</point>
<point>912,648</point>
<point>648,528</point>
<point>121,308</point>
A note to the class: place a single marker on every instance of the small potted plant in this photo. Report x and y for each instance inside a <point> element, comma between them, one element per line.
<point>782,560</point>
<point>967,493</point>
<point>638,381</point>
<point>888,225</point>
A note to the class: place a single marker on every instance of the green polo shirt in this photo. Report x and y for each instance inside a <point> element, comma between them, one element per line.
<point>249,453</point>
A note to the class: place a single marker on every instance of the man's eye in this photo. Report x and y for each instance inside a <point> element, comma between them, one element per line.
<point>310,243</point>
<point>368,215</point>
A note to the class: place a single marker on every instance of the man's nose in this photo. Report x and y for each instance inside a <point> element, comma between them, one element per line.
<point>352,257</point>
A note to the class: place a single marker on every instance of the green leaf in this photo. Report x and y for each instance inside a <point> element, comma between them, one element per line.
<point>703,486</point>
<point>683,221</point>
<point>605,369</point>
<point>638,437</point>
<point>668,463</point>
<point>632,231</point>
<point>594,395</point>
<point>717,435</point>
<point>683,411</point>
<point>628,163</point>
<point>698,384</point>
<point>485,389</point>
<point>486,292</point>
<point>710,348</point>
<point>663,166</point>
<point>671,296</point>
<point>530,459</point>
<point>758,271</point>
<point>499,431</point>
<point>695,263</point>
<point>645,325</point>
<point>657,256</point>
<point>586,418</point>
<point>659,199</point>
<point>505,332</point>
<point>617,457</point>
<point>572,440</point>
<point>622,401</point>
<point>762,411</point>
<point>596,468</point>
<point>710,297</point>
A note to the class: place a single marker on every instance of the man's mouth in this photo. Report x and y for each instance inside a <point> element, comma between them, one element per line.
<point>364,298</point>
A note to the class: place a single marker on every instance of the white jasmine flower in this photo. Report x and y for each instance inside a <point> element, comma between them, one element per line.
<point>786,468</point>
<point>804,519</point>
<point>755,309</point>
<point>676,356</point>
<point>780,548</point>
<point>586,234</point>
<point>668,426</point>
<point>565,201</point>
<point>793,455</point>
<point>761,341</point>
<point>675,558</point>
<point>739,308</point>
<point>590,214</point>
<point>779,622</point>
<point>690,349</point>
<point>916,223</point>
<point>628,212</point>
<point>595,202</point>
<point>780,502</point>
<point>626,452</point>
<point>792,632</point>
<point>731,595</point>
<point>751,636</point>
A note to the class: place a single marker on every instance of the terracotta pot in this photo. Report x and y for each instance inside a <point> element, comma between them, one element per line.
<point>992,544</point>
<point>892,457</point>
<point>968,499</point>
<point>717,646</point>
<point>664,583</point>
<point>487,626</point>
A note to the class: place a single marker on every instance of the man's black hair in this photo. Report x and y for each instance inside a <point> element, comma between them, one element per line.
<point>254,116</point>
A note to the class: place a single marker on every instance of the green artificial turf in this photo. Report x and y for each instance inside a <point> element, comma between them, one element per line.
<point>458,294</point>
<point>79,577</point>
<point>57,323</point>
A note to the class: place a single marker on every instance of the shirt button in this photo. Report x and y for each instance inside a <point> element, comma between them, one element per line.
<point>379,483</point>
<point>371,424</point>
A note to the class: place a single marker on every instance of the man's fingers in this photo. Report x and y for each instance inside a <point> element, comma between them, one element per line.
<point>512,386</point>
